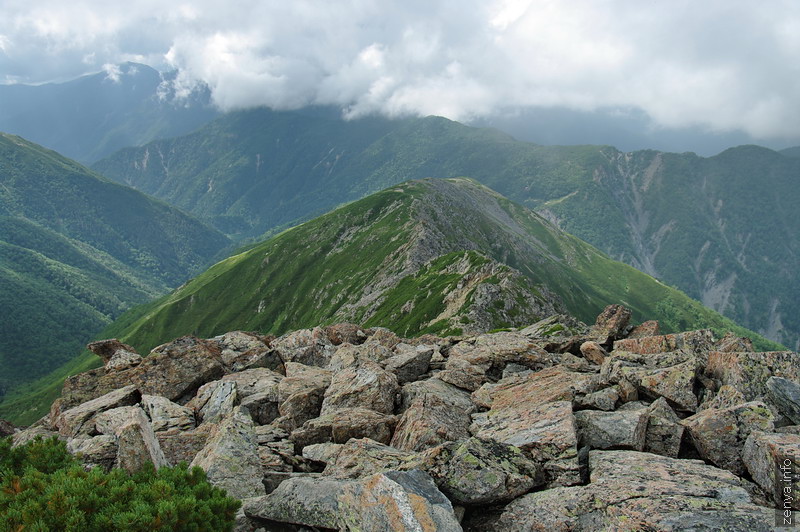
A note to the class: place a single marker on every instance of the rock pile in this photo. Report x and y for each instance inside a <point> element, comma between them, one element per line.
<point>556,426</point>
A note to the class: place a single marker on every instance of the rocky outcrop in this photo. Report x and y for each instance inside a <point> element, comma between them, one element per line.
<point>554,426</point>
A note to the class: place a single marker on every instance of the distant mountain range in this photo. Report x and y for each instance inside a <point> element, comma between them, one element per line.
<point>76,250</point>
<point>92,116</point>
<point>722,228</point>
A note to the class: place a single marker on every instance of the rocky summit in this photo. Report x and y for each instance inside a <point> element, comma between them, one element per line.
<point>554,426</point>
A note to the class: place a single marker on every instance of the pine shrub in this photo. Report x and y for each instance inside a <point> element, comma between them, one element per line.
<point>43,488</point>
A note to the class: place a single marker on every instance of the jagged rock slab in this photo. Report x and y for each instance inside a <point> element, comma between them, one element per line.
<point>301,393</point>
<point>785,395</point>
<point>611,324</point>
<point>110,421</point>
<point>137,444</point>
<point>692,341</point>
<point>410,362</point>
<point>80,419</point>
<point>166,415</point>
<point>181,446</point>
<point>430,421</point>
<point>311,347</point>
<point>446,392</point>
<point>230,457</point>
<point>664,430</point>
<point>305,501</point>
<point>343,424</point>
<point>719,434</point>
<point>359,458</point>
<point>99,451</point>
<point>772,460</point>
<point>364,386</point>
<point>630,490</point>
<point>214,401</point>
<point>612,430</point>
<point>240,350</point>
<point>669,375</point>
<point>748,372</point>
<point>349,355</point>
<point>31,433</point>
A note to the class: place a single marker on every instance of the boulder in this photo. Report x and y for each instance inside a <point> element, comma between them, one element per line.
<point>593,352</point>
<point>6,428</point>
<point>240,350</point>
<point>631,490</point>
<point>559,333</point>
<point>610,324</point>
<point>383,336</point>
<point>748,372</point>
<point>181,446</point>
<point>446,392</point>
<point>311,347</point>
<point>612,430</point>
<point>366,385</point>
<point>31,433</point>
<point>98,451</point>
<point>325,453</point>
<point>410,362</point>
<point>462,374</point>
<point>345,333</point>
<point>785,395</point>
<point>645,329</point>
<point>214,401</point>
<point>605,399</point>
<point>301,393</point>
<point>114,354</point>
<point>166,415</point>
<point>664,430</point>
<point>80,419</point>
<point>773,461</point>
<point>349,355</point>
<point>732,343</point>
<point>343,424</point>
<point>478,472</point>
<point>719,434</point>
<point>359,458</point>
<point>137,444</point>
<point>230,457</point>
<point>697,342</point>
<point>726,397</point>
<point>429,421</point>
<point>312,502</point>
<point>110,421</point>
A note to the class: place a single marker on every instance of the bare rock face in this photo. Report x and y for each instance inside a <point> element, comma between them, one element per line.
<point>181,445</point>
<point>645,329</point>
<point>166,415</point>
<point>785,394</point>
<point>748,372</point>
<point>447,392</point>
<point>137,444</point>
<point>366,385</point>
<point>110,421</point>
<point>301,393</point>
<point>215,401</point>
<point>612,430</point>
<point>80,419</point>
<point>629,490</point>
<point>230,457</point>
<point>772,459</point>
<point>719,434</point>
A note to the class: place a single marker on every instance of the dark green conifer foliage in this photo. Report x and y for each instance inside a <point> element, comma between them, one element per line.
<point>42,487</point>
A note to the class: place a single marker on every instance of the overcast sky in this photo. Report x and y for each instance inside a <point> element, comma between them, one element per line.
<point>716,66</point>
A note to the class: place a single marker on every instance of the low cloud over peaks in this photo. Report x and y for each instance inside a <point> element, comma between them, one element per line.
<point>719,65</point>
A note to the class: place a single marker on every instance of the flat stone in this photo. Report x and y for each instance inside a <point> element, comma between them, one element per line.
<point>445,391</point>
<point>362,457</point>
<point>670,375</point>
<point>719,434</point>
<point>98,451</point>
<point>110,421</point>
<point>692,341</point>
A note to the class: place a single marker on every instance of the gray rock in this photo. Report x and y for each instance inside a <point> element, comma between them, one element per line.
<point>611,324</point>
<point>300,500</point>
<point>80,419</point>
<point>719,434</point>
<point>664,430</point>
<point>240,350</point>
<point>771,460</point>
<point>785,394</point>
<point>593,352</point>
<point>181,446</point>
<point>322,452</point>
<point>749,372</point>
<point>110,421</point>
<point>31,433</point>
<point>166,415</point>
<point>310,347</point>
<point>410,362</point>
<point>363,457</point>
<point>366,385</point>
<point>99,451</point>
<point>137,444</point>
<point>230,457</point>
<point>605,399</point>
<point>612,430</point>
<point>343,424</point>
<point>214,401</point>
<point>430,421</point>
<point>445,391</point>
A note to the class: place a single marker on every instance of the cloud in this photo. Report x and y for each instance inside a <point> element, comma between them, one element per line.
<point>721,65</point>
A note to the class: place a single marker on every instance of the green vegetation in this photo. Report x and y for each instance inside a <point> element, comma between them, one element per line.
<point>723,229</point>
<point>76,250</point>
<point>42,487</point>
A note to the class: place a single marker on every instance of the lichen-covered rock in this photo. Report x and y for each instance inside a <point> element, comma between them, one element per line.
<point>726,397</point>
<point>719,434</point>
<point>429,421</point>
<point>166,415</point>
<point>348,355</point>
<point>445,391</point>
<point>364,386</point>
<point>325,453</point>
<point>110,421</point>
<point>31,433</point>
<point>301,393</point>
<point>605,399</point>
<point>345,333</point>
<point>785,395</point>
<point>559,333</point>
<point>462,374</point>
<point>215,400</point>
<point>645,329</point>
<point>772,460</point>
<point>343,424</point>
<point>630,490</point>
<point>732,343</point>
<point>359,458</point>
<point>611,324</point>
<point>477,472</point>
<point>79,420</point>
<point>240,350</point>
<point>181,445</point>
<point>593,352</point>
<point>98,451</point>
<point>612,430</point>
<point>311,347</point>
<point>137,444</point>
<point>304,501</point>
<point>748,372</point>
<point>396,500</point>
<point>123,359</point>
<point>230,457</point>
<point>691,341</point>
<point>114,354</point>
<point>664,430</point>
<point>410,362</point>
<point>669,375</point>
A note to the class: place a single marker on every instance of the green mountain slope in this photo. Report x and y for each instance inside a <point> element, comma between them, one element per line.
<point>92,116</point>
<point>720,228</point>
<point>76,250</point>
